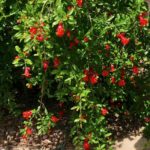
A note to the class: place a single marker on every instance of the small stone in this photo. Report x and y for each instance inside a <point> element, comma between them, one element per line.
<point>14,143</point>
<point>46,142</point>
<point>44,137</point>
<point>53,147</point>
<point>9,137</point>
<point>50,147</point>
<point>12,132</point>
<point>5,142</point>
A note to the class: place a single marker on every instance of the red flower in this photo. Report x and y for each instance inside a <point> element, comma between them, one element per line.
<point>68,33</point>
<point>86,144</point>
<point>56,62</point>
<point>90,76</point>
<point>27,72</point>
<point>105,73</point>
<point>70,7</point>
<point>147,120</point>
<point>86,77</point>
<point>72,44</point>
<point>104,111</point>
<point>86,39</point>
<point>123,39</point>
<point>28,131</point>
<point>112,68</point>
<point>107,47</point>
<point>113,80</point>
<point>121,82</point>
<point>27,114</point>
<point>17,57</point>
<point>40,38</point>
<point>24,137</point>
<point>120,35</point>
<point>33,30</point>
<point>54,119</point>
<point>143,22</point>
<point>135,70</point>
<point>79,3</point>
<point>60,31</point>
<point>93,79</point>
<point>45,65</point>
<point>76,41</point>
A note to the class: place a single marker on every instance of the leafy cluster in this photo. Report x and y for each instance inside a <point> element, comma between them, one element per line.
<point>88,54</point>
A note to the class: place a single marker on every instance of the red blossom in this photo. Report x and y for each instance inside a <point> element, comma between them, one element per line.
<point>135,70</point>
<point>79,3</point>
<point>86,78</point>
<point>60,31</point>
<point>107,47</point>
<point>90,76</point>
<point>24,136</point>
<point>28,131</point>
<point>105,73</point>
<point>93,79</point>
<point>86,144</point>
<point>121,83</point>
<point>54,119</point>
<point>112,68</point>
<point>104,111</point>
<point>143,22</point>
<point>27,114</point>
<point>113,80</point>
<point>45,65</point>
<point>40,38</point>
<point>147,119</point>
<point>86,39</point>
<point>56,62</point>
<point>68,33</point>
<point>17,57</point>
<point>123,39</point>
<point>27,72</point>
<point>33,30</point>
<point>70,7</point>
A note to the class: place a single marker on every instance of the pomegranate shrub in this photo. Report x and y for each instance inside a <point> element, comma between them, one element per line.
<point>91,53</point>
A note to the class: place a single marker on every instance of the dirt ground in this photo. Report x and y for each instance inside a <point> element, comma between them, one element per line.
<point>10,139</point>
<point>134,141</point>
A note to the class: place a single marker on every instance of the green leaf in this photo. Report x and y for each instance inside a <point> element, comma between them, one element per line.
<point>75,108</point>
<point>17,48</point>
<point>77,120</point>
<point>28,62</point>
